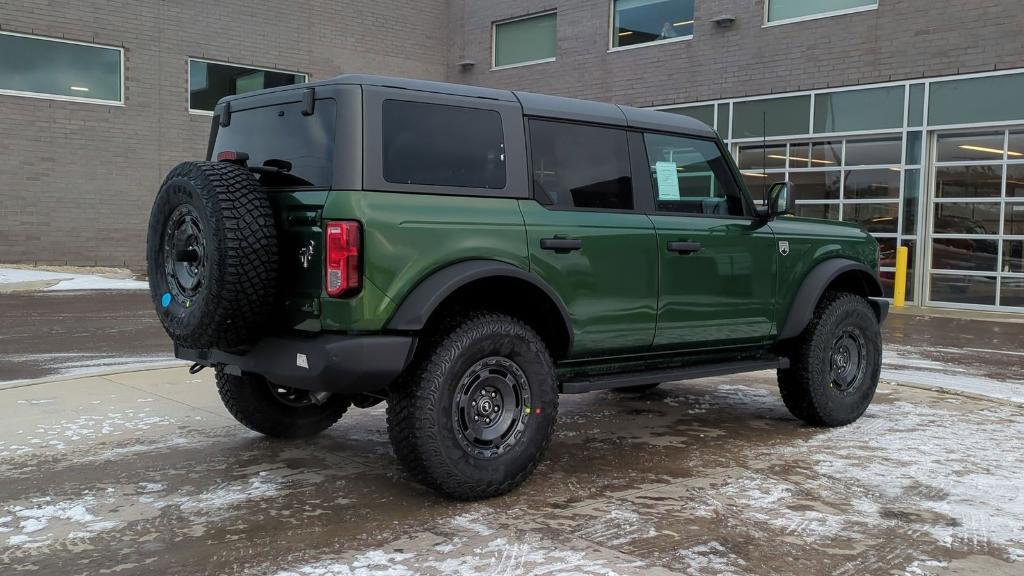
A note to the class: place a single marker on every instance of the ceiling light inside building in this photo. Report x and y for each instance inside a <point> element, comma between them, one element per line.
<point>626,33</point>
<point>79,88</point>
<point>687,23</point>
<point>798,159</point>
<point>989,150</point>
<point>754,174</point>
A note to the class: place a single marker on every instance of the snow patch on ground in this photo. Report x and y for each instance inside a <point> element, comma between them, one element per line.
<point>86,428</point>
<point>901,365</point>
<point>74,517</point>
<point>69,281</point>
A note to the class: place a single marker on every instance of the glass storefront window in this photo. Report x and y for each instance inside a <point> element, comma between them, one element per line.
<point>972,147</point>
<point>705,114</point>
<point>757,157</point>
<point>42,67</point>
<point>915,107</point>
<point>1013,256</point>
<point>771,117</point>
<point>1011,292</point>
<point>781,11</point>
<point>821,211</point>
<point>911,193</point>
<point>815,185</point>
<point>875,183</point>
<point>1013,224</point>
<point>758,184</point>
<point>876,218</point>
<point>638,22</point>
<point>528,40</point>
<point>971,100</point>
<point>825,153</point>
<point>913,148</point>
<point>985,181</point>
<point>1016,147</point>
<point>971,254</point>
<point>975,218</point>
<point>874,152</point>
<point>208,82</point>
<point>1015,180</point>
<point>962,289</point>
<point>723,120</point>
<point>870,109</point>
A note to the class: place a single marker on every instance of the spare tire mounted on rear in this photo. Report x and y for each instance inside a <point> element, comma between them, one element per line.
<point>212,255</point>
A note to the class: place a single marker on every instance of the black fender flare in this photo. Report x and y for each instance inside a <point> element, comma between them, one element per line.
<point>813,286</point>
<point>414,311</point>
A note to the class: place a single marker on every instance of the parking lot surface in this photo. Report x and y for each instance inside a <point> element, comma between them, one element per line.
<point>145,473</point>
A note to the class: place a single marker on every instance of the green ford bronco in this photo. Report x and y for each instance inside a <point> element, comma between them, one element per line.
<point>468,254</point>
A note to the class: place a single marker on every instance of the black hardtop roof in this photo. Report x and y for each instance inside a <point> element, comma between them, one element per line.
<point>542,105</point>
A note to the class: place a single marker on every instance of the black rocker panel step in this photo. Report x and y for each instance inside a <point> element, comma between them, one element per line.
<point>609,381</point>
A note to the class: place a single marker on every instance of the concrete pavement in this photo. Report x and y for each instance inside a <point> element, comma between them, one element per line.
<point>145,473</point>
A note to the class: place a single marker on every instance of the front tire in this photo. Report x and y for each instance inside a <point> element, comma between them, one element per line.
<point>275,410</point>
<point>473,415</point>
<point>835,363</point>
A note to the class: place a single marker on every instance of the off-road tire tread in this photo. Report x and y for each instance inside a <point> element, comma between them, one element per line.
<point>244,275</point>
<point>255,411</point>
<point>414,438</point>
<point>796,382</point>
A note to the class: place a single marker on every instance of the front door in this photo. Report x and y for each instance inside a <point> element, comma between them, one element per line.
<point>717,261</point>
<point>587,240</point>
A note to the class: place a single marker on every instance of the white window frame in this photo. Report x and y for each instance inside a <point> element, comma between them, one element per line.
<point>494,40</point>
<point>819,16</point>
<point>45,96</point>
<point>611,33</point>
<point>188,76</point>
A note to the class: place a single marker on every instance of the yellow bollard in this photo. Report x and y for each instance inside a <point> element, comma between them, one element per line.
<point>899,292</point>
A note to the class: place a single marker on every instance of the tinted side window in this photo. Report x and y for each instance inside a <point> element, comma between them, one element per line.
<point>690,175</point>
<point>438,145</point>
<point>581,166</point>
<point>279,136</point>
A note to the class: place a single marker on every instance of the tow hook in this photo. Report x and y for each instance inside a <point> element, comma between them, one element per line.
<point>195,368</point>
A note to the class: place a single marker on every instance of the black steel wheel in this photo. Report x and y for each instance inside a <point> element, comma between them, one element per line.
<point>834,363</point>
<point>488,407</point>
<point>473,414</point>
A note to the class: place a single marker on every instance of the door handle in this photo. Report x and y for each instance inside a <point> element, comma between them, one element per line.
<point>560,245</point>
<point>684,247</point>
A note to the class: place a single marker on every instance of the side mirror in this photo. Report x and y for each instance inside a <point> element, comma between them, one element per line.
<point>780,199</point>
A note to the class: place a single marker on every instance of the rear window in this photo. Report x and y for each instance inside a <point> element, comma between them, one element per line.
<point>279,136</point>
<point>440,145</point>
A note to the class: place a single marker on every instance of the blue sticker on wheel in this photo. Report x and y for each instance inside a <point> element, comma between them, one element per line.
<point>165,300</point>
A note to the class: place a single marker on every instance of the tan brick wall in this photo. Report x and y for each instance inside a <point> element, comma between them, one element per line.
<point>901,39</point>
<point>77,180</point>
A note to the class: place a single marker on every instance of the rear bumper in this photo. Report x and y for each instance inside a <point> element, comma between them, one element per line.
<point>324,363</point>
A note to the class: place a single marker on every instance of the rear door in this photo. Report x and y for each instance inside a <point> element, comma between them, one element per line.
<point>587,240</point>
<point>717,262</point>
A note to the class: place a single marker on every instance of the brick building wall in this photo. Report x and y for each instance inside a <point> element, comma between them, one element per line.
<point>902,39</point>
<point>77,179</point>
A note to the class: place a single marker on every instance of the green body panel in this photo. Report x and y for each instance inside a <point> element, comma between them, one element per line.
<point>812,241</point>
<point>722,295</point>
<point>610,285</point>
<point>406,237</point>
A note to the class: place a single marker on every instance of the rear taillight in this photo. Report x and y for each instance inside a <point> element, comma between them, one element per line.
<point>342,278</point>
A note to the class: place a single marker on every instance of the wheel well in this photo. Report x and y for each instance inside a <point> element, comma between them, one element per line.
<point>855,282</point>
<point>512,296</point>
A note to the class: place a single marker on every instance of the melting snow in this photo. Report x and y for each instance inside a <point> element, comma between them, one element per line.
<point>69,281</point>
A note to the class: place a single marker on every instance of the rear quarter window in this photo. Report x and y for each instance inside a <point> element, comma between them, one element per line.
<point>280,136</point>
<point>441,145</point>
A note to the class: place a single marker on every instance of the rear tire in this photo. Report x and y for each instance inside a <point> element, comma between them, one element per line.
<point>277,411</point>
<point>835,363</point>
<point>473,415</point>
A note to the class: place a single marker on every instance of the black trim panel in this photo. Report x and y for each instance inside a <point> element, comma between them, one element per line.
<point>814,284</point>
<point>417,307</point>
<point>669,375</point>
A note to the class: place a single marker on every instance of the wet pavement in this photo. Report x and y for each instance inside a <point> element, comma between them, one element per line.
<point>145,473</point>
<point>65,333</point>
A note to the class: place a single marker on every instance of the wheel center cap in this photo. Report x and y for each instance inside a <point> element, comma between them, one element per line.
<point>484,407</point>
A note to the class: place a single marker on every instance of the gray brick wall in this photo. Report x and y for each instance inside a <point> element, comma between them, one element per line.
<point>901,39</point>
<point>77,180</point>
